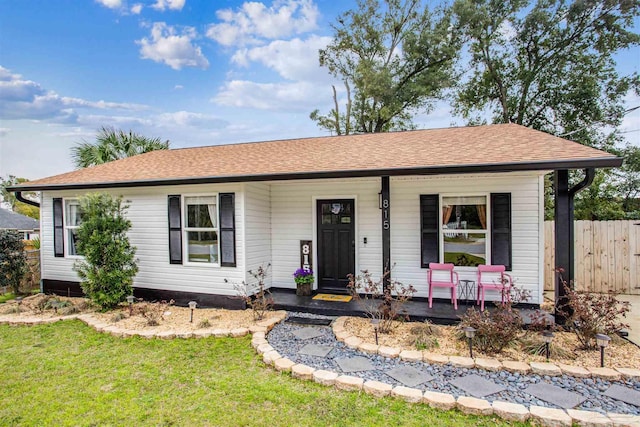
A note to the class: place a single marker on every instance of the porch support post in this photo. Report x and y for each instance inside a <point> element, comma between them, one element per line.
<point>564,238</point>
<point>563,217</point>
<point>385,206</point>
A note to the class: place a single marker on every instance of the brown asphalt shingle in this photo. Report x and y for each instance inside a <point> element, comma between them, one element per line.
<point>449,147</point>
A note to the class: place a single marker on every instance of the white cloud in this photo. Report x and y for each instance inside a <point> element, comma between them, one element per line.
<point>172,47</point>
<point>178,87</point>
<point>136,9</point>
<point>168,4</point>
<point>187,118</point>
<point>254,21</point>
<point>4,131</point>
<point>293,59</point>
<point>111,4</point>
<point>298,96</point>
<point>26,99</point>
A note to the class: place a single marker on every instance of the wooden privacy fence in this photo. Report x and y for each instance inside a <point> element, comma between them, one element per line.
<point>606,253</point>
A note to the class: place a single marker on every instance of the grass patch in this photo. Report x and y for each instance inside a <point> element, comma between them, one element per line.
<point>6,297</point>
<point>68,374</point>
<point>463,259</point>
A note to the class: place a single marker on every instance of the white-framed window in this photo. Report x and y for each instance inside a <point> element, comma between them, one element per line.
<point>72,220</point>
<point>200,229</point>
<point>464,227</point>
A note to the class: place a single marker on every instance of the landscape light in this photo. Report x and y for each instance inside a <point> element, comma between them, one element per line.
<point>192,306</point>
<point>603,341</point>
<point>470,332</point>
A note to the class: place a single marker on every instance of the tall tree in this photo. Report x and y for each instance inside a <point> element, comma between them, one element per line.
<point>113,144</point>
<point>548,65</point>
<point>10,199</point>
<point>395,58</point>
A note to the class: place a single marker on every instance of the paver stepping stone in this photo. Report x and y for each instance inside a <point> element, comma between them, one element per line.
<point>409,375</point>
<point>556,395</point>
<point>307,333</point>
<point>316,350</point>
<point>476,386</point>
<point>624,394</point>
<point>354,364</point>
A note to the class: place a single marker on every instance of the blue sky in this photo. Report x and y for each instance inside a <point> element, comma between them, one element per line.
<point>194,72</point>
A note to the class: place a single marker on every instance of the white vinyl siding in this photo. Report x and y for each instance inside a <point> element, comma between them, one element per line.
<point>149,234</point>
<point>258,229</point>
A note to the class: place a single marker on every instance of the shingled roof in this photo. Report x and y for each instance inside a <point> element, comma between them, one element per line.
<point>493,148</point>
<point>14,221</point>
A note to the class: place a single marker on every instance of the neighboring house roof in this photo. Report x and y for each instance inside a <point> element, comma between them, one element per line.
<point>14,221</point>
<point>494,148</point>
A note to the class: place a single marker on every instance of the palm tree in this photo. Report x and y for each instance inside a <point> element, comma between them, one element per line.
<point>112,144</point>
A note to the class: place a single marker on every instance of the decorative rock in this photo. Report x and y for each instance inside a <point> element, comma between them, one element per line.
<point>435,358</point>
<point>339,328</point>
<point>390,352</point>
<point>625,420</point>
<point>340,321</point>
<point>220,333</point>
<point>185,335</point>
<point>462,362</point>
<point>366,347</point>
<point>545,369</point>
<point>439,400</point>
<point>488,364</point>
<point>263,348</point>
<point>588,418</point>
<point>377,388</point>
<point>202,333</point>
<point>239,332</point>
<point>474,406</point>
<point>510,411</point>
<point>352,342</point>
<point>411,355</point>
<point>575,371</point>
<point>255,328</point>
<point>341,336</point>
<point>412,395</point>
<point>257,342</point>
<point>347,382</point>
<point>324,377</point>
<point>270,357</point>
<point>605,373</point>
<point>302,372</point>
<point>153,334</point>
<point>283,364</point>
<point>514,366</point>
<point>166,335</point>
<point>630,373</point>
<point>550,417</point>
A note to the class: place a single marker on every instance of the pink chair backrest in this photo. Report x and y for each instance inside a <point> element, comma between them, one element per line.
<point>490,274</point>
<point>440,272</point>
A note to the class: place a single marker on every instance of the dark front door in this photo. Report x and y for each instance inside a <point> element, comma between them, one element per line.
<point>336,243</point>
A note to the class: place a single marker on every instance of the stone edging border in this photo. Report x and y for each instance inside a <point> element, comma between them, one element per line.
<point>263,326</point>
<point>468,405</point>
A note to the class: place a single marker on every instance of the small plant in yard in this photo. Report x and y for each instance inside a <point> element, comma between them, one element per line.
<point>13,261</point>
<point>256,295</point>
<point>118,316</point>
<point>304,281</point>
<point>425,336</point>
<point>204,323</point>
<point>380,303</point>
<point>152,312</point>
<point>495,329</point>
<point>589,313</point>
<point>109,264</point>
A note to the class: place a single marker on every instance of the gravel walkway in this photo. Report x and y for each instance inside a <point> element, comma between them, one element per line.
<point>502,385</point>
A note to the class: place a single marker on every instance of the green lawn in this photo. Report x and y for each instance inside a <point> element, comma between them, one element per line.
<point>68,374</point>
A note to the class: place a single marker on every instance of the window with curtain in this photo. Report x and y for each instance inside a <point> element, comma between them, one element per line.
<point>71,223</point>
<point>464,230</point>
<point>201,229</point>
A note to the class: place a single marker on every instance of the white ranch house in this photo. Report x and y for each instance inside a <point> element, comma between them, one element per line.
<point>470,195</point>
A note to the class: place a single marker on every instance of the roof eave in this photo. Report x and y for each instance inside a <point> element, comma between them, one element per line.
<point>602,162</point>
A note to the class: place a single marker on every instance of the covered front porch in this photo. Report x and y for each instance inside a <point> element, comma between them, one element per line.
<point>417,308</point>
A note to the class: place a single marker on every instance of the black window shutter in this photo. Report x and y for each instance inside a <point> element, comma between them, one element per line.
<point>175,230</point>
<point>429,239</point>
<point>227,230</point>
<point>58,228</point>
<point>501,229</point>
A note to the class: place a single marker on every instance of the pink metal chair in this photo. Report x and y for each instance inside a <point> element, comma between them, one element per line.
<point>442,275</point>
<point>493,277</point>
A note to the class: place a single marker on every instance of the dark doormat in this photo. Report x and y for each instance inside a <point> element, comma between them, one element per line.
<point>306,321</point>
